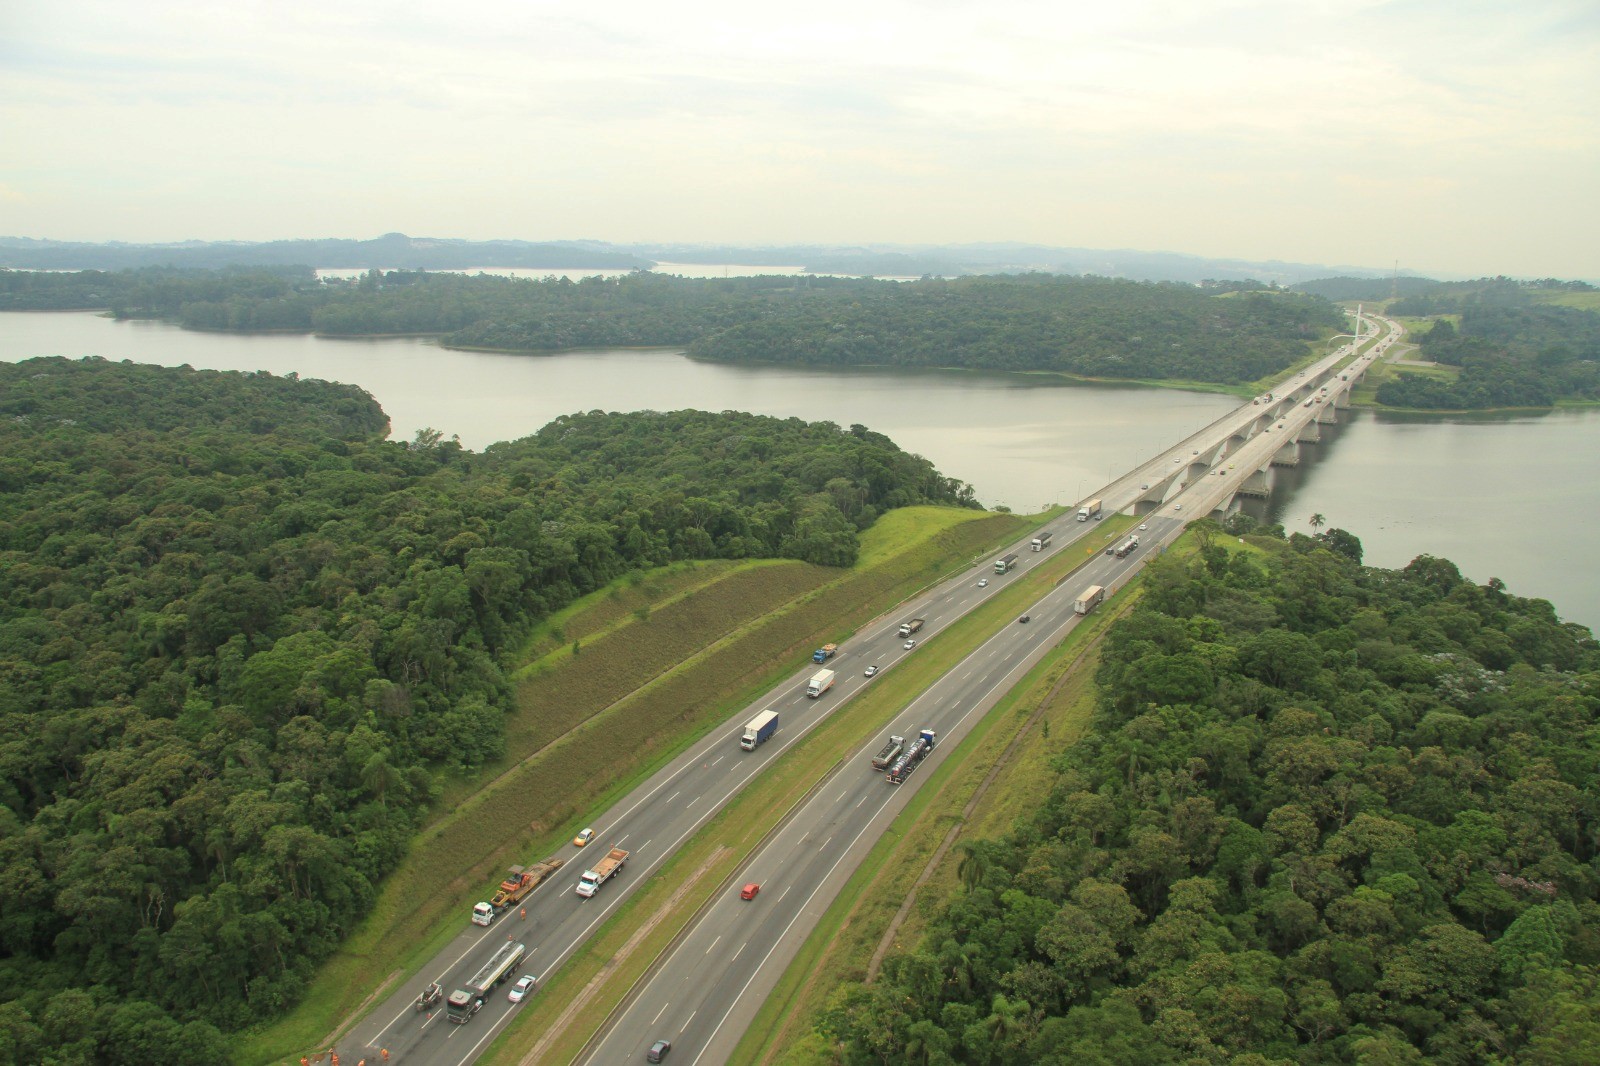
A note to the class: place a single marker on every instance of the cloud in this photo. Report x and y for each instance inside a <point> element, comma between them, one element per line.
<point>1229,123</point>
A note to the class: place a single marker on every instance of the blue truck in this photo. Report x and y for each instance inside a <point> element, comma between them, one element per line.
<point>824,653</point>
<point>759,730</point>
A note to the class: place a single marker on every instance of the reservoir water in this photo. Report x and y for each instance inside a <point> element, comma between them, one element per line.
<point>1512,498</point>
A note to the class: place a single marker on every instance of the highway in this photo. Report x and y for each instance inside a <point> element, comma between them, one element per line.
<point>704,991</point>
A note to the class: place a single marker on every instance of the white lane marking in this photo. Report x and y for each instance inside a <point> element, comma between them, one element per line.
<point>714,943</point>
<point>659,1013</point>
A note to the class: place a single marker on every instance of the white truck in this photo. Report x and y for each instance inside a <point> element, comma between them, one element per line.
<point>603,871</point>
<point>1089,599</point>
<point>1089,510</point>
<point>820,682</point>
<point>1042,541</point>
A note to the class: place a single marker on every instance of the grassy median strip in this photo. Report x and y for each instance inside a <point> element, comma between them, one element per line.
<point>524,811</point>
<point>727,841</point>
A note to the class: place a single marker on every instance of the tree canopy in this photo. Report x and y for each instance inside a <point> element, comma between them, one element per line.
<point>1326,814</point>
<point>242,635</point>
<point>1089,326</point>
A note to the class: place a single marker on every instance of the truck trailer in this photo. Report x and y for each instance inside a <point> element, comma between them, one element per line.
<point>603,871</point>
<point>1041,542</point>
<point>824,653</point>
<point>1127,547</point>
<point>465,1002</point>
<point>888,753</point>
<point>911,757</point>
<point>514,889</point>
<point>1004,563</point>
<point>908,628</point>
<point>820,682</point>
<point>1089,599</point>
<point>1089,510</point>
<point>759,730</point>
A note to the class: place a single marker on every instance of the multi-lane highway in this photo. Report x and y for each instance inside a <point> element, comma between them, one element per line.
<point>703,993</point>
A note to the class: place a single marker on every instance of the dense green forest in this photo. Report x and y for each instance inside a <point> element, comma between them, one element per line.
<point>1326,814</point>
<point>1514,345</point>
<point>1097,327</point>
<point>1513,350</point>
<point>242,635</point>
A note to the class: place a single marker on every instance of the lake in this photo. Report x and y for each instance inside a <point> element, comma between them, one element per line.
<point>1505,497</point>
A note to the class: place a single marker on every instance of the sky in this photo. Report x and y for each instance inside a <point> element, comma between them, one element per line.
<point>1455,136</point>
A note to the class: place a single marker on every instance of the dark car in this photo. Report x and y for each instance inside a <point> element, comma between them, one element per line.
<point>658,1051</point>
<point>1024,618</point>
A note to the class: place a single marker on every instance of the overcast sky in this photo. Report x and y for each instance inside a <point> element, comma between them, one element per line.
<point>1455,136</point>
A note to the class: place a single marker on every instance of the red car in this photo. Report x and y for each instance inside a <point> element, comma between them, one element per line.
<point>750,891</point>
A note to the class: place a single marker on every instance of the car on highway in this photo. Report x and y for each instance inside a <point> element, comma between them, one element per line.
<point>583,838</point>
<point>1144,486</point>
<point>1143,526</point>
<point>520,990</point>
<point>870,671</point>
<point>1024,618</point>
<point>908,645</point>
<point>658,1051</point>
<point>983,582</point>
<point>749,891</point>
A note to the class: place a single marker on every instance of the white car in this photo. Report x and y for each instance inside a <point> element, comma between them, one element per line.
<point>871,671</point>
<point>1144,525</point>
<point>908,645</point>
<point>521,989</point>
<point>983,582</point>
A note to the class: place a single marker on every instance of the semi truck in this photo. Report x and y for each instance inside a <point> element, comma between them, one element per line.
<point>888,753</point>
<point>1041,542</point>
<point>465,1002</point>
<point>1089,510</point>
<point>1089,599</point>
<point>603,871</point>
<point>824,653</point>
<point>908,628</point>
<point>820,682</point>
<point>908,760</point>
<point>1127,547</point>
<point>514,889</point>
<point>1004,563</point>
<point>759,730</point>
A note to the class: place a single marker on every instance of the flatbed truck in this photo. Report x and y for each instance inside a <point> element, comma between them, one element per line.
<point>603,871</point>
<point>514,889</point>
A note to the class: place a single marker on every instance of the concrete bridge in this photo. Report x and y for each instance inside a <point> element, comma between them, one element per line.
<point>1234,455</point>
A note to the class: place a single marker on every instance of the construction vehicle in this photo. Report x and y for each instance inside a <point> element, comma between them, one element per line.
<point>603,871</point>
<point>514,889</point>
<point>824,653</point>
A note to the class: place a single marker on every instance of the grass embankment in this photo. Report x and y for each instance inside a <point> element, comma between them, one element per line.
<point>744,629</point>
<point>598,977</point>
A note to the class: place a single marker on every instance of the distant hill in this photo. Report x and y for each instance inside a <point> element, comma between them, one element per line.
<point>392,251</point>
<point>396,251</point>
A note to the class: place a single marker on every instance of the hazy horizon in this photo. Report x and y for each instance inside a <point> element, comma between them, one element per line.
<point>1450,138</point>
